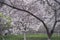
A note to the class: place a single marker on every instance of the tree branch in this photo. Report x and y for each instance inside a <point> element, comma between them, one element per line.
<point>58,20</point>
<point>57,2</point>
<point>11,3</point>
<point>48,3</point>
<point>54,22</point>
<point>28,13</point>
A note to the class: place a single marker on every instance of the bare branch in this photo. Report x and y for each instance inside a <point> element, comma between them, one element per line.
<point>28,13</point>
<point>58,20</point>
<point>54,22</point>
<point>48,3</point>
<point>22,23</point>
<point>55,14</point>
<point>11,3</point>
<point>57,2</point>
<point>53,28</point>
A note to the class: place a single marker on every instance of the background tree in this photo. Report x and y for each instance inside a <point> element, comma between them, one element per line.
<point>5,23</point>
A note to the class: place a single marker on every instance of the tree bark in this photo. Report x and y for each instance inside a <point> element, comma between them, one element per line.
<point>49,38</point>
<point>24,36</point>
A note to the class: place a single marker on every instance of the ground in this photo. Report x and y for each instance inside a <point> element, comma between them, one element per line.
<point>31,37</point>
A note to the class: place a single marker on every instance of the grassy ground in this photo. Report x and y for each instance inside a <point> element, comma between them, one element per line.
<point>30,37</point>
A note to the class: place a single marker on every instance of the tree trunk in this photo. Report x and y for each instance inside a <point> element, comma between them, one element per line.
<point>49,38</point>
<point>24,36</point>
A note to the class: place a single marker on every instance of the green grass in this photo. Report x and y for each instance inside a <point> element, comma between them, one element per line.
<point>30,37</point>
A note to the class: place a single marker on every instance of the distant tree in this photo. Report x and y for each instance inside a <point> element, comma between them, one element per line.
<point>5,23</point>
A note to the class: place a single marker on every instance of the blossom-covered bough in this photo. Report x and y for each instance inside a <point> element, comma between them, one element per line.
<point>49,33</point>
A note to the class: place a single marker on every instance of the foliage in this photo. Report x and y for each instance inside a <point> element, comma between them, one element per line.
<point>5,21</point>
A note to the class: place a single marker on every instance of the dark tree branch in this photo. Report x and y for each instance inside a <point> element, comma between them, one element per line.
<point>53,28</point>
<point>48,3</point>
<point>55,19</point>
<point>57,2</point>
<point>11,3</point>
<point>55,10</point>
<point>1,3</point>
<point>27,12</point>
<point>55,14</point>
<point>58,20</point>
<point>22,23</point>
